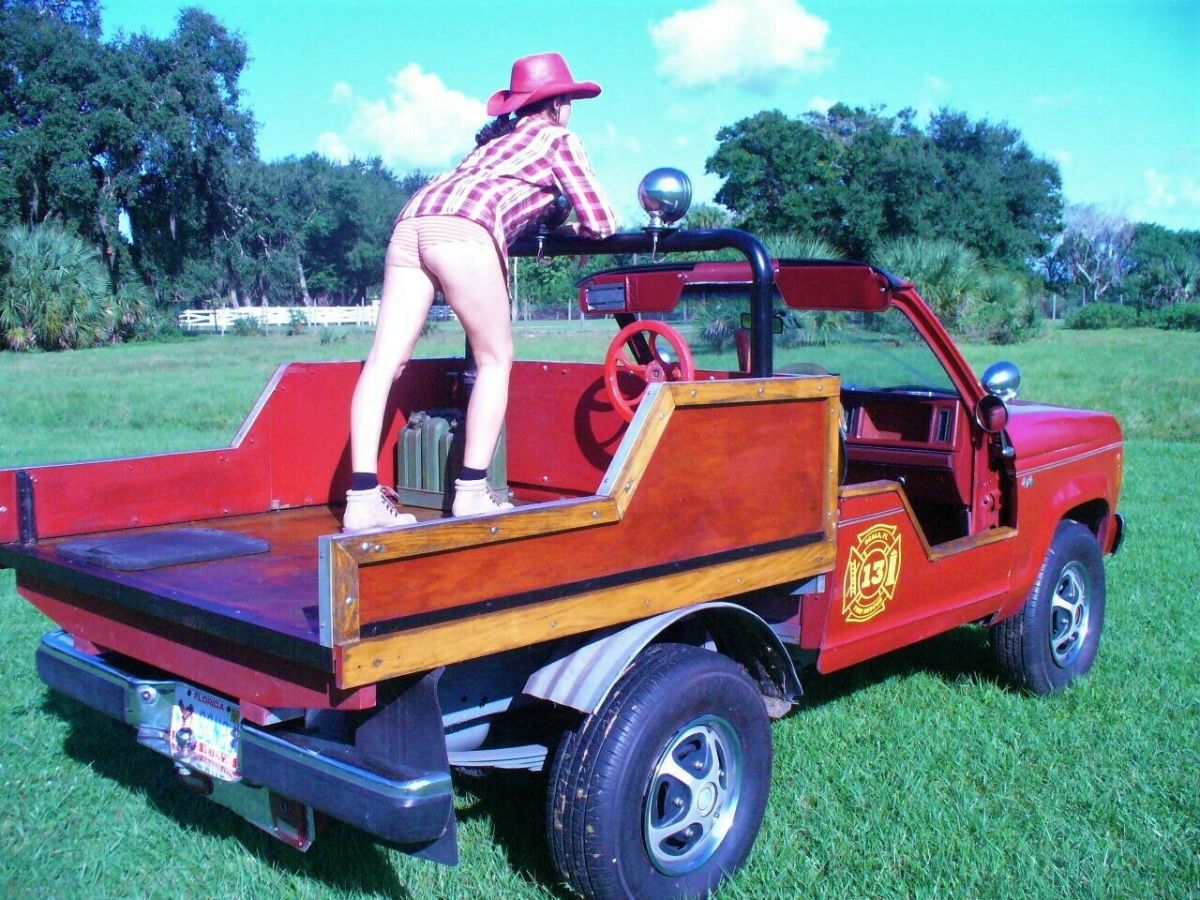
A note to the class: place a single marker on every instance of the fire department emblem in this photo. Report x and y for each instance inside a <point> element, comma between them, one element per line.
<point>871,573</point>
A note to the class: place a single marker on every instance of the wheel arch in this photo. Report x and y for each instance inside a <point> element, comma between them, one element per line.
<point>583,678</point>
<point>1093,514</point>
<point>1098,516</point>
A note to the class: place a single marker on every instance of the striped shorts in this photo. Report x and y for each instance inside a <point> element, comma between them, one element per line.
<point>412,237</point>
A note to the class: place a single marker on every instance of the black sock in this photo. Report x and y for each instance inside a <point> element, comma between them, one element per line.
<point>469,474</point>
<point>364,481</point>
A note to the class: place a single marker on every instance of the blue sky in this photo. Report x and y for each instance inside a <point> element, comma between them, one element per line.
<point>1108,88</point>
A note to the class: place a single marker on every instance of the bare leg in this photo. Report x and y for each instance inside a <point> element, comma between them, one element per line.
<point>474,285</point>
<point>403,306</point>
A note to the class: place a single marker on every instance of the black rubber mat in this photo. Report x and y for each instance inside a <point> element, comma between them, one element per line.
<point>154,550</point>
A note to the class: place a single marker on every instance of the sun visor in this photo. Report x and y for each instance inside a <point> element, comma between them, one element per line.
<point>833,287</point>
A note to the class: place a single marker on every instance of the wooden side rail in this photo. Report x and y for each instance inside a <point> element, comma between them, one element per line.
<point>717,488</point>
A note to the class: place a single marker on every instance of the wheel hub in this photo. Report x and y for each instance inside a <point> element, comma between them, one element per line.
<point>1069,615</point>
<point>693,795</point>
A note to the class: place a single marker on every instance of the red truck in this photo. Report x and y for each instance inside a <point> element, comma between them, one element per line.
<point>686,542</point>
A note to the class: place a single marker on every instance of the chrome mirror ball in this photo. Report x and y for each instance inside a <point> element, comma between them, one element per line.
<point>1003,379</point>
<point>665,194</point>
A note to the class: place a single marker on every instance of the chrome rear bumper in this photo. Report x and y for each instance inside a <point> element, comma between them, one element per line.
<point>284,775</point>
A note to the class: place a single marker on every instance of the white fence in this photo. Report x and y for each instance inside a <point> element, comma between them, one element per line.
<point>219,320</point>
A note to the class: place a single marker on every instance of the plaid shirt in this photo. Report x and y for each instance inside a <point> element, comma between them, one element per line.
<point>507,183</point>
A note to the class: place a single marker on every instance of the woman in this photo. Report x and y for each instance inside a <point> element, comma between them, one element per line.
<point>453,236</point>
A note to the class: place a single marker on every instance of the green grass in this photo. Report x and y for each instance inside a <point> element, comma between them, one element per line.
<point>913,775</point>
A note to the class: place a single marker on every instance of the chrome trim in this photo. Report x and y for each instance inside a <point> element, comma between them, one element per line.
<point>871,517</point>
<point>259,404</point>
<point>148,701</point>
<point>325,590</point>
<point>154,720</point>
<point>629,441</point>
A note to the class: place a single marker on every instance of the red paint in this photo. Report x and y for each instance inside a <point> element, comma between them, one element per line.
<point>221,666</point>
<point>760,483</point>
<point>293,452</point>
<point>853,287</point>
<point>930,590</point>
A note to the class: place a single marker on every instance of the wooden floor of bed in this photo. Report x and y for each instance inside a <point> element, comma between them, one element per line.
<point>276,591</point>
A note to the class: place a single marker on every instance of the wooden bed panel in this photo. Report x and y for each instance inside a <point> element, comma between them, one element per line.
<point>245,597</point>
<point>720,481</point>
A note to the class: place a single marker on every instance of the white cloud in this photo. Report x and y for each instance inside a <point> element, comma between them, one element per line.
<point>1171,194</point>
<point>1165,191</point>
<point>1062,157</point>
<point>1053,101</point>
<point>752,43</point>
<point>331,145</point>
<point>933,96</point>
<point>421,124</point>
<point>610,138</point>
<point>820,104</point>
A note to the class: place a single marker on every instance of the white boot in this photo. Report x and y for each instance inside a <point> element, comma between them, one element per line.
<point>372,510</point>
<point>473,498</point>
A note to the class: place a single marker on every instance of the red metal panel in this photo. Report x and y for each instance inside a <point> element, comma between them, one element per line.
<point>222,666</point>
<point>808,286</point>
<point>309,422</point>
<point>81,498</point>
<point>832,287</point>
<point>9,526</point>
<point>550,401</point>
<point>875,608</point>
<point>293,451</point>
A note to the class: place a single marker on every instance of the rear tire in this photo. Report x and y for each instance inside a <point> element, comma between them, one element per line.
<point>1054,638</point>
<point>661,792</point>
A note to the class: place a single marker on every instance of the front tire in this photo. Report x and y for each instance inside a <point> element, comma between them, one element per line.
<point>661,792</point>
<point>1054,638</point>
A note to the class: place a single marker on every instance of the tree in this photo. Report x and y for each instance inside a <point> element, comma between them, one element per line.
<point>192,136</point>
<point>1164,266</point>
<point>1093,253</point>
<point>779,173</point>
<point>148,129</point>
<point>997,196</point>
<point>857,177</point>
<point>53,292</point>
<point>48,141</point>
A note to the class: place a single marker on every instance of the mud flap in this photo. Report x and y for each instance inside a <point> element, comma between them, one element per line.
<point>408,731</point>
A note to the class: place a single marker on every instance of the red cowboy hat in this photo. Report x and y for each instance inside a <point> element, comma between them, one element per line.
<point>535,78</point>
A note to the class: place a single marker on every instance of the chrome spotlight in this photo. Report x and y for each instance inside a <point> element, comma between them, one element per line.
<point>665,194</point>
<point>1003,379</point>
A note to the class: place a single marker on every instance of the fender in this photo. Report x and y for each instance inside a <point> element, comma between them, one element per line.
<point>583,678</point>
<point>1055,505</point>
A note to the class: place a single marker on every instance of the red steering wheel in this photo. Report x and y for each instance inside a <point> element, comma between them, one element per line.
<point>622,373</point>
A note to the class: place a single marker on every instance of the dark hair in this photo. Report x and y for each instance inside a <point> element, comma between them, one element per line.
<point>502,125</point>
<point>498,127</point>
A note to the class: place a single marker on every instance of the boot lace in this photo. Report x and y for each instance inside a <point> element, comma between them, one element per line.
<point>391,501</point>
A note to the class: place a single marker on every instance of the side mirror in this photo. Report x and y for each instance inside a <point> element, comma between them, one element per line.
<point>991,413</point>
<point>1002,379</point>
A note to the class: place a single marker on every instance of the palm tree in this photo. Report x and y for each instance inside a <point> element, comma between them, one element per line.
<point>54,291</point>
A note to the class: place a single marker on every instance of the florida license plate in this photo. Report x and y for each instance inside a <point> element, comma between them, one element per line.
<point>204,732</point>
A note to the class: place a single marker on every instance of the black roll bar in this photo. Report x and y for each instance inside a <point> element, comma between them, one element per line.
<point>762,286</point>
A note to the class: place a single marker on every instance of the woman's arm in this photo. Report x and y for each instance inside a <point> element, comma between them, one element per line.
<point>575,177</point>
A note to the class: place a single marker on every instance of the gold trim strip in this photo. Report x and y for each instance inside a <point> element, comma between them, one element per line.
<point>420,649</point>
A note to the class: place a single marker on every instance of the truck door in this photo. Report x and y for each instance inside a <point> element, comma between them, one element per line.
<point>924,536</point>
